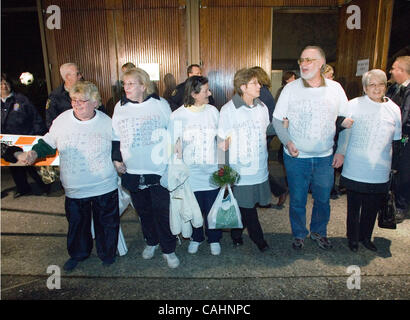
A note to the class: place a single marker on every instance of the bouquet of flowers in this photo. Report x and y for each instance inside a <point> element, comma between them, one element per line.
<point>225,175</point>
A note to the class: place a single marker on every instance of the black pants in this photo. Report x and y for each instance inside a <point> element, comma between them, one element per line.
<point>402,182</point>
<point>19,175</point>
<point>250,221</point>
<point>362,211</point>
<point>152,206</point>
<point>106,218</point>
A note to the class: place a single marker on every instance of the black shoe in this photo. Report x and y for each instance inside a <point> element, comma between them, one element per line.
<point>237,242</point>
<point>70,264</point>
<point>369,245</point>
<point>400,216</point>
<point>354,246</point>
<point>21,194</point>
<point>282,199</point>
<point>108,262</point>
<point>263,247</point>
<point>46,190</point>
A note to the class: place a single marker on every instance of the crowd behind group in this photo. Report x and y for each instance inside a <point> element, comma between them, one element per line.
<point>320,131</point>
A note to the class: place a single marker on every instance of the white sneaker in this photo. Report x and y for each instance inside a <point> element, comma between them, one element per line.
<point>149,251</point>
<point>193,247</point>
<point>172,260</point>
<point>215,248</point>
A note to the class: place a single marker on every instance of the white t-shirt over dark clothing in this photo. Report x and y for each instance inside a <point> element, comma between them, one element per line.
<point>84,147</point>
<point>246,126</point>
<point>369,142</point>
<point>312,114</point>
<point>198,131</point>
<point>141,129</point>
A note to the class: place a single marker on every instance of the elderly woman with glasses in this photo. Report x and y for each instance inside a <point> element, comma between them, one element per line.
<point>140,122</point>
<point>83,137</point>
<point>367,149</point>
<point>243,125</point>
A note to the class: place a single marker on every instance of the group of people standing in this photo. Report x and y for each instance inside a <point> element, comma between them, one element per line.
<point>144,135</point>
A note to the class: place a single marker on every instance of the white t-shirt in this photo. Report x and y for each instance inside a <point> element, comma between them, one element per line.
<point>369,149</point>
<point>248,153</point>
<point>84,147</point>
<point>198,131</point>
<point>312,114</point>
<point>141,129</point>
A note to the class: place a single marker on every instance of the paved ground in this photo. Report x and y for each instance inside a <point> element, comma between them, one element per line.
<point>33,237</point>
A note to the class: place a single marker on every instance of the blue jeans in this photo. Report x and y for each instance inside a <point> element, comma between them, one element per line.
<point>318,174</point>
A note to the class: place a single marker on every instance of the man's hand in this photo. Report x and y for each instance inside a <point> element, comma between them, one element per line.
<point>294,152</point>
<point>120,167</point>
<point>347,123</point>
<point>338,160</point>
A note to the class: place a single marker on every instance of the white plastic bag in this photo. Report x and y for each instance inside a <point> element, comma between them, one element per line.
<point>225,213</point>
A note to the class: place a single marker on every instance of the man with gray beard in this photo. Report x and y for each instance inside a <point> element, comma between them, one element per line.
<point>311,104</point>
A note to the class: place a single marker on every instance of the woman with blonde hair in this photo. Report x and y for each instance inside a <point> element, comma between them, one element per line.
<point>140,121</point>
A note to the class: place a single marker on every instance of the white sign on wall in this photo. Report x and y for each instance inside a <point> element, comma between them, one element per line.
<point>152,69</point>
<point>362,67</point>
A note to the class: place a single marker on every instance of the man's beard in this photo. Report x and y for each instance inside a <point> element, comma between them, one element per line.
<point>307,75</point>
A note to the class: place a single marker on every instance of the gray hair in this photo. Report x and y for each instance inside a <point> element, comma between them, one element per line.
<point>321,53</point>
<point>374,73</point>
<point>65,67</point>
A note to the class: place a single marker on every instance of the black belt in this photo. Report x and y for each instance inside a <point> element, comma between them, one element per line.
<point>132,182</point>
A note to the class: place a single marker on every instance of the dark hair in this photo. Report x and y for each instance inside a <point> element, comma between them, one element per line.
<point>287,75</point>
<point>189,70</point>
<point>193,85</point>
<point>5,77</point>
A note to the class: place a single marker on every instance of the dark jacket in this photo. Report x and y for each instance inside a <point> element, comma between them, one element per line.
<point>401,97</point>
<point>58,102</point>
<point>20,116</point>
<point>268,100</point>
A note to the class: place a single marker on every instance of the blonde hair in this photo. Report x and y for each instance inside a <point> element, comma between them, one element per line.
<point>242,77</point>
<point>88,90</point>
<point>143,78</point>
<point>328,68</point>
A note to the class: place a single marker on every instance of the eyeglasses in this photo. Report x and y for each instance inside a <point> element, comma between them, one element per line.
<point>376,85</point>
<point>307,60</point>
<point>254,82</point>
<point>78,101</point>
<point>129,84</point>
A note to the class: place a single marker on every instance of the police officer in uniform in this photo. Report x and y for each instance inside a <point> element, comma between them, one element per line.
<point>20,117</point>
<point>59,99</point>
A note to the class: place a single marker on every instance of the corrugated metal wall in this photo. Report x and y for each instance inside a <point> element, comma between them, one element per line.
<point>101,35</point>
